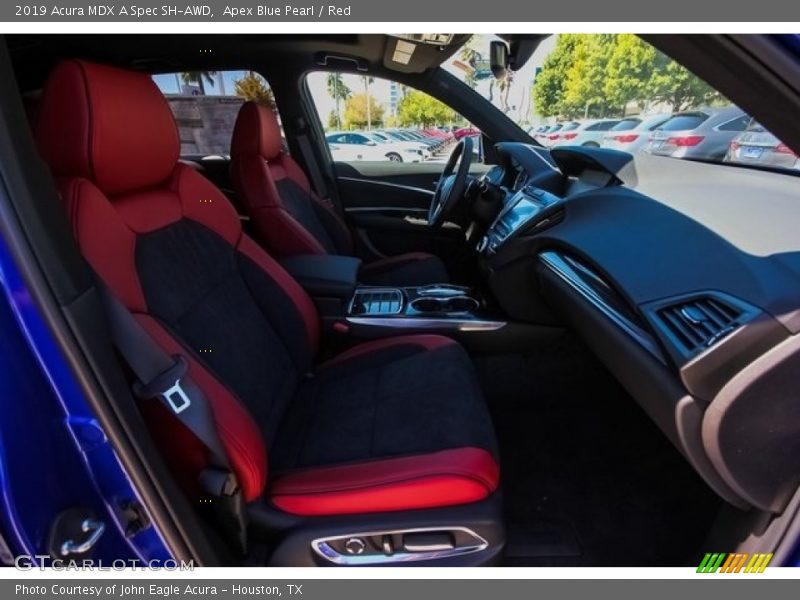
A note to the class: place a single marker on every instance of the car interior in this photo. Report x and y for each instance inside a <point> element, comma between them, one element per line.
<point>519,356</point>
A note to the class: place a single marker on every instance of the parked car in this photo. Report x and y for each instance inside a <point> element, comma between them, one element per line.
<point>631,134</point>
<point>585,133</point>
<point>355,145</point>
<point>463,132</point>
<point>554,135</point>
<point>704,133</point>
<point>757,146</point>
<point>536,132</point>
<point>403,136</point>
<point>551,134</point>
<point>412,135</point>
<point>437,133</point>
<point>413,146</point>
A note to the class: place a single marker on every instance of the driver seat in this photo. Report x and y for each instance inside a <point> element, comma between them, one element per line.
<point>288,218</point>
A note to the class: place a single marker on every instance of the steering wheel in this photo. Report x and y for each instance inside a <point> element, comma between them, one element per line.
<point>452,184</point>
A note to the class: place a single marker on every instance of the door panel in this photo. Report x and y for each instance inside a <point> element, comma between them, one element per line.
<point>422,176</point>
<point>387,204</point>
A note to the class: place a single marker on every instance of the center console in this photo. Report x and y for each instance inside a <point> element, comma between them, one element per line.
<point>438,307</point>
<point>347,307</point>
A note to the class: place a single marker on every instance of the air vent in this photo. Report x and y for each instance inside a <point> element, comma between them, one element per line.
<point>376,302</point>
<point>701,322</point>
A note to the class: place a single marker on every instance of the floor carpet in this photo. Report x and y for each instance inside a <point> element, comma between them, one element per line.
<point>588,479</point>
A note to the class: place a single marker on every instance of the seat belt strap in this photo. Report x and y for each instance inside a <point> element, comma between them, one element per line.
<point>160,375</point>
<point>312,165</point>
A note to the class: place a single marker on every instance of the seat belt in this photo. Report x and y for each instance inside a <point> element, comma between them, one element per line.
<point>310,160</point>
<point>162,376</point>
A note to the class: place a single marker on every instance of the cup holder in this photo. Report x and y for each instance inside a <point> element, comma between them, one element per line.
<point>455,304</point>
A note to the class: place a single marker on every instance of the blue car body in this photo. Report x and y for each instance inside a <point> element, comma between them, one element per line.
<point>54,455</point>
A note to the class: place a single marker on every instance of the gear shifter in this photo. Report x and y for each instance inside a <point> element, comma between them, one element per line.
<point>436,290</point>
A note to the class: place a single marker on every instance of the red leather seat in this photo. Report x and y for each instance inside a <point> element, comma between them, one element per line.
<point>289,218</point>
<point>390,425</point>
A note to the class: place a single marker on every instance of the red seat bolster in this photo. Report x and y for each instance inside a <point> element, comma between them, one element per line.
<point>444,478</point>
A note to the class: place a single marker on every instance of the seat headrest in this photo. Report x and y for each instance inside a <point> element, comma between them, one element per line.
<point>109,125</point>
<point>256,132</point>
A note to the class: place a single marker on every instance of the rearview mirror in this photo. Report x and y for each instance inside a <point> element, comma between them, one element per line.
<point>498,58</point>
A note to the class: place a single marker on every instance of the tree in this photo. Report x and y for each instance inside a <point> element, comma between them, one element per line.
<point>584,94</point>
<point>358,113</point>
<point>418,108</point>
<point>338,90</point>
<point>367,80</point>
<point>600,75</point>
<point>550,85</point>
<point>504,84</point>
<point>200,78</point>
<point>675,85</point>
<point>469,55</point>
<point>252,87</point>
<point>630,70</point>
<point>334,120</point>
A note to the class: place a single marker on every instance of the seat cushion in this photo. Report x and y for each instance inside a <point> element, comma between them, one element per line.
<point>413,268</point>
<point>394,424</point>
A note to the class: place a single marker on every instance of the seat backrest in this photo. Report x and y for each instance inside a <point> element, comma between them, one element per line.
<point>170,247</point>
<point>286,214</point>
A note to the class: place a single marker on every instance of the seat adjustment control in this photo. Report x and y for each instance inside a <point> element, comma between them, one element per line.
<point>428,541</point>
<point>355,546</point>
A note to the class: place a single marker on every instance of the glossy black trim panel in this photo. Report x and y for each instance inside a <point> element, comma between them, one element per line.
<point>561,266</point>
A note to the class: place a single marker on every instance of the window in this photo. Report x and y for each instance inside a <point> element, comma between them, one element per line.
<point>626,125</point>
<point>205,105</point>
<point>585,77</point>
<point>683,122</point>
<point>601,126</point>
<point>372,119</point>
<point>738,124</point>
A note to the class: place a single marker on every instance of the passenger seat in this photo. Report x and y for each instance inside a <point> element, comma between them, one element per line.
<point>289,218</point>
<point>345,461</point>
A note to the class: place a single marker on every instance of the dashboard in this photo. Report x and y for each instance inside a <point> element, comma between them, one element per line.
<point>684,278</point>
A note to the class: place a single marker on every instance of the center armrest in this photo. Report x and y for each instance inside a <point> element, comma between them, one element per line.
<point>324,275</point>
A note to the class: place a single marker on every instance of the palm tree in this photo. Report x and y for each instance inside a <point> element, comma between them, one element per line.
<point>367,81</point>
<point>469,55</point>
<point>338,90</point>
<point>504,85</point>
<point>200,78</point>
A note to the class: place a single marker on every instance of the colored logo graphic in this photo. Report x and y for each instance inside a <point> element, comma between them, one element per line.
<point>734,563</point>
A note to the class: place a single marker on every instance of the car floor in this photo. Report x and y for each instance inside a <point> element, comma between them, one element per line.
<point>588,479</point>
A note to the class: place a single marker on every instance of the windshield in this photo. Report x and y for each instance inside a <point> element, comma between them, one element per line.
<point>575,78</point>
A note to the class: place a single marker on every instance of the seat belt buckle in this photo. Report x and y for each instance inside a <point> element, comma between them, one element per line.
<point>219,482</point>
<point>176,398</point>
<point>168,386</point>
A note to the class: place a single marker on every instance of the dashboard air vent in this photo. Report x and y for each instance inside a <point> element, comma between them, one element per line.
<point>701,322</point>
